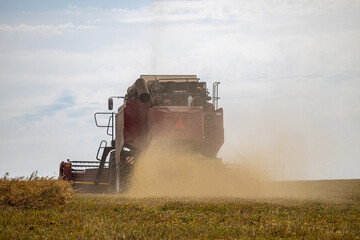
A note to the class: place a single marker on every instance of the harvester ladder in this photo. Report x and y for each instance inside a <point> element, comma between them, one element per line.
<point>102,163</point>
<point>103,144</point>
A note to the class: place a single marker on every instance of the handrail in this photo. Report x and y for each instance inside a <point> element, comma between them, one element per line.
<point>101,113</point>
<point>109,125</point>
<point>87,162</point>
<point>100,147</point>
<point>216,95</point>
<point>87,166</point>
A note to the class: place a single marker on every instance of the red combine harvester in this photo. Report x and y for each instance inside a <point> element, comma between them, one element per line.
<point>174,108</point>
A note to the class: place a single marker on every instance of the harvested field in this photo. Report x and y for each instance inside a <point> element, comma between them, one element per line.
<point>335,216</point>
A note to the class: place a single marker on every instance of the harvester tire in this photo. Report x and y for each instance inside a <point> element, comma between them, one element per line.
<point>112,173</point>
<point>123,173</point>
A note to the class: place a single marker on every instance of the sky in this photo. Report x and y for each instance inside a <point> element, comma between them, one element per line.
<point>289,73</point>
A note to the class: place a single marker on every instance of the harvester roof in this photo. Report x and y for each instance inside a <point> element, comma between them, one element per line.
<point>171,78</point>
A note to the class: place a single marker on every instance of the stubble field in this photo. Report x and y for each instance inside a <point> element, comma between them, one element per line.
<point>334,213</point>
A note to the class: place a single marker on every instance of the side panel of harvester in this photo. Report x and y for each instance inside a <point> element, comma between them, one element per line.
<point>135,123</point>
<point>119,133</point>
<point>213,132</point>
<point>219,130</point>
<point>131,126</point>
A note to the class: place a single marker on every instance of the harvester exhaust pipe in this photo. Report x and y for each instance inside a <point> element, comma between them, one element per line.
<point>140,88</point>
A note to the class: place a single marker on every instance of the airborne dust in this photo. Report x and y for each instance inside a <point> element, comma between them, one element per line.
<point>170,171</point>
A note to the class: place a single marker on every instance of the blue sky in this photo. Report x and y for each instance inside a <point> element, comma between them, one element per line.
<point>289,71</point>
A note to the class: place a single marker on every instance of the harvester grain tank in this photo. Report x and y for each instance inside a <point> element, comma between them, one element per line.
<point>163,108</point>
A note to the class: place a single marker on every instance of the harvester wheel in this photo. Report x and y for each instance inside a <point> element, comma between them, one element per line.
<point>112,173</point>
<point>123,172</point>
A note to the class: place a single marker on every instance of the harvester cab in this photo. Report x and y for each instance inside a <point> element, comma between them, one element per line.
<point>171,108</point>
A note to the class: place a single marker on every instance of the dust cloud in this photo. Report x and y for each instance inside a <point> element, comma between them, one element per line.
<point>170,171</point>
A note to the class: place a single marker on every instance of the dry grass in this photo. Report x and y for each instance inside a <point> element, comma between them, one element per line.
<point>34,192</point>
<point>123,217</point>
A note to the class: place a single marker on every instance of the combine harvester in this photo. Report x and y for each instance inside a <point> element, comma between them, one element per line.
<point>174,108</point>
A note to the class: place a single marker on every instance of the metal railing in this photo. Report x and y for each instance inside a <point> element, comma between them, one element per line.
<point>84,164</point>
<point>110,123</point>
<point>215,94</point>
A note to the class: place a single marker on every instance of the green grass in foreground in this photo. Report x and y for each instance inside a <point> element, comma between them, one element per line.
<point>119,217</point>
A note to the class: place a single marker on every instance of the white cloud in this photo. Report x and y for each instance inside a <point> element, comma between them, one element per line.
<point>43,28</point>
<point>177,11</point>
